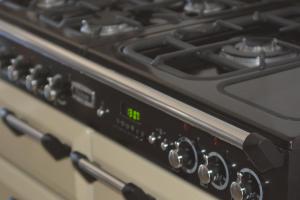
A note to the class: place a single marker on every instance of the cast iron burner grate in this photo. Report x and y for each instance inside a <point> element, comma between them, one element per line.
<point>258,41</point>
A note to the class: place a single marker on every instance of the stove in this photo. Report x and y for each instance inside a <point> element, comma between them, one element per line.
<point>207,90</point>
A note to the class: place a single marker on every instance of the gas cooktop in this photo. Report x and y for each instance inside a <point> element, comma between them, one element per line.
<point>235,59</point>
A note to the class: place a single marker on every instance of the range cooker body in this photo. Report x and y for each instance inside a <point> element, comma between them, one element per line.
<point>201,155</point>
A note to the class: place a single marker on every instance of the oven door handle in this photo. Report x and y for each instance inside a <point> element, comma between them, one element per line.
<point>50,143</point>
<point>91,172</point>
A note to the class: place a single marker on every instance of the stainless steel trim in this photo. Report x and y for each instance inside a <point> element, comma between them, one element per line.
<point>178,109</point>
<point>23,127</point>
<point>101,175</point>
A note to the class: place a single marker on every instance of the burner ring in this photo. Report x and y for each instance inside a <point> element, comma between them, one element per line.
<point>203,7</point>
<point>48,4</point>
<point>255,52</point>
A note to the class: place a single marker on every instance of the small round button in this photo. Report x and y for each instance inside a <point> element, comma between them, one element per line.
<point>164,145</point>
<point>152,138</point>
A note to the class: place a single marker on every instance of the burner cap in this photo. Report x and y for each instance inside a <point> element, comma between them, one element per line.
<point>256,52</point>
<point>105,30</point>
<point>203,7</point>
<point>47,4</point>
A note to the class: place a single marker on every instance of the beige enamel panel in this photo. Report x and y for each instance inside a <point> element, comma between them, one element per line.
<point>132,168</point>
<point>28,155</point>
<point>5,192</point>
<point>17,184</point>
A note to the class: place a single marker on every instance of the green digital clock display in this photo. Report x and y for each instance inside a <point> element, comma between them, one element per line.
<point>131,112</point>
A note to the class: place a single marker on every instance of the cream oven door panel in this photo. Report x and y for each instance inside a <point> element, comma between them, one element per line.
<point>27,153</point>
<point>129,167</point>
<point>14,184</point>
<point>5,192</point>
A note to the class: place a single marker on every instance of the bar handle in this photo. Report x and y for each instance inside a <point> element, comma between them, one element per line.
<point>91,172</point>
<point>50,143</point>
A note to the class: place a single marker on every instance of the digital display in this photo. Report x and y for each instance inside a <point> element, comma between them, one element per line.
<point>131,112</point>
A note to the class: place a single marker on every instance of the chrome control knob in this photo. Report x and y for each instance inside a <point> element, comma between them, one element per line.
<point>17,69</point>
<point>5,57</point>
<point>204,173</point>
<point>247,186</point>
<point>154,137</point>
<point>176,159</point>
<point>184,156</point>
<point>56,88</point>
<point>164,145</point>
<point>214,171</point>
<point>37,78</point>
<point>238,192</point>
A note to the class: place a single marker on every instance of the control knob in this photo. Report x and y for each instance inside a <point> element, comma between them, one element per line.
<point>184,156</point>
<point>247,186</point>
<point>37,78</point>
<point>56,88</point>
<point>214,171</point>
<point>17,69</point>
<point>5,57</point>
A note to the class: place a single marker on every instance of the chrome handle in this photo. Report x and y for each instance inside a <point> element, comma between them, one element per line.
<point>20,127</point>
<point>51,144</point>
<point>92,172</point>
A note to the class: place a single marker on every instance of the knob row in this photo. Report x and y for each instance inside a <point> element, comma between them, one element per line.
<point>214,171</point>
<point>36,78</point>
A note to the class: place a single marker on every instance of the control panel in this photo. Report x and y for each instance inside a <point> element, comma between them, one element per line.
<point>192,154</point>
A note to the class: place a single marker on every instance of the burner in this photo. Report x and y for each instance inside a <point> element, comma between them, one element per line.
<point>106,30</point>
<point>256,52</point>
<point>203,7</point>
<point>48,4</point>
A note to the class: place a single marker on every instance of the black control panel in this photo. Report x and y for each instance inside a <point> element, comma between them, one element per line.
<point>192,154</point>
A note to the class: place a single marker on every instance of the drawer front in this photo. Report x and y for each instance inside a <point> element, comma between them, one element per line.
<point>102,191</point>
<point>15,185</point>
<point>28,154</point>
<point>6,193</point>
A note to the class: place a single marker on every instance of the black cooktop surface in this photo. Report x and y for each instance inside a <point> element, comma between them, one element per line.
<point>239,59</point>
